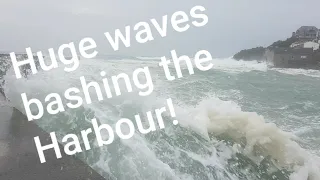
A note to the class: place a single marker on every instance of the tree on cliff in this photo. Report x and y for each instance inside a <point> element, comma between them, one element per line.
<point>250,54</point>
<point>284,44</point>
<point>258,52</point>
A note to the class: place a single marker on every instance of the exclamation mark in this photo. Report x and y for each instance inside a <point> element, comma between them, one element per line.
<point>172,112</point>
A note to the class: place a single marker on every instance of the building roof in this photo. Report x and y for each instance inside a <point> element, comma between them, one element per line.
<point>307,28</point>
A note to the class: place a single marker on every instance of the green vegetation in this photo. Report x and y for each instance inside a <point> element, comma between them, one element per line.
<point>250,54</point>
<point>258,52</point>
<point>284,44</point>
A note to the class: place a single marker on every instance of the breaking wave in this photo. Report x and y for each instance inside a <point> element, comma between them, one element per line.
<point>310,72</point>
<point>255,138</point>
<point>215,139</point>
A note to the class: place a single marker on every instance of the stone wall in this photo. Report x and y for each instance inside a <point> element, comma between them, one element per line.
<point>292,58</point>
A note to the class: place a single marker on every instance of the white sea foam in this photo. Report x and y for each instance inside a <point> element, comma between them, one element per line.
<point>211,116</point>
<point>262,138</point>
<point>231,65</point>
<point>310,72</point>
<point>149,58</point>
<point>234,66</point>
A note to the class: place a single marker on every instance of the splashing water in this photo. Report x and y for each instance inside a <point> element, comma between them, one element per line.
<point>236,121</point>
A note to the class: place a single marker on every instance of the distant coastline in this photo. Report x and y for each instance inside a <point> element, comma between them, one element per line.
<point>301,50</point>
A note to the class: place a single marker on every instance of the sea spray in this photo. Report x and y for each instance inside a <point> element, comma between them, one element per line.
<point>261,139</point>
<point>193,149</point>
<point>104,133</point>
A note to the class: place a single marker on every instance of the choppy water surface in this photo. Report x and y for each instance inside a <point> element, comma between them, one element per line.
<point>238,121</point>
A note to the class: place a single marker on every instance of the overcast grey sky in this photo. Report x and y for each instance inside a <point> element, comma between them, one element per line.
<point>233,24</point>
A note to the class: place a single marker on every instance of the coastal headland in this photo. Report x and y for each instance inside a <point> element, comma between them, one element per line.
<point>301,50</point>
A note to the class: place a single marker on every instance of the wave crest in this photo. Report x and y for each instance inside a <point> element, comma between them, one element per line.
<point>256,138</point>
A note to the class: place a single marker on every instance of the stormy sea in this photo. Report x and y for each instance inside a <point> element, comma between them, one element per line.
<point>238,121</point>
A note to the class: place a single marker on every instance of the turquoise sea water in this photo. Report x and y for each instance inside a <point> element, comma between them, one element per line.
<point>238,121</point>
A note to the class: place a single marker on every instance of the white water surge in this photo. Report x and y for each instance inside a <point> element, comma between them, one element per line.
<point>215,138</point>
